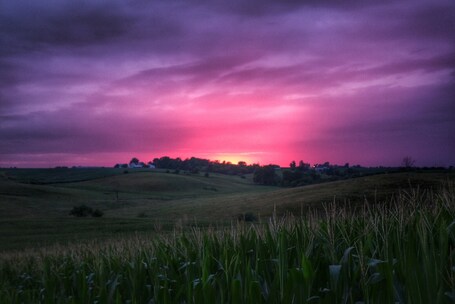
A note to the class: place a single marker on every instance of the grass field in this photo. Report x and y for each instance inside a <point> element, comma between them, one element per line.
<point>35,202</point>
<point>399,247</point>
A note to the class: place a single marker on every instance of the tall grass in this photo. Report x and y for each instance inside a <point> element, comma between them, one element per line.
<point>398,251</point>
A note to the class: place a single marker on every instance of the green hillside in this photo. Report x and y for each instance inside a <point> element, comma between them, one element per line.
<point>376,188</point>
<point>145,200</point>
<point>115,193</point>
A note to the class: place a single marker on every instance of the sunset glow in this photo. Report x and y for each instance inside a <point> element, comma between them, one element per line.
<point>256,81</point>
<point>233,158</point>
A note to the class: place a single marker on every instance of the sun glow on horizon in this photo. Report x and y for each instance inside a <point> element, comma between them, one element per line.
<point>233,158</point>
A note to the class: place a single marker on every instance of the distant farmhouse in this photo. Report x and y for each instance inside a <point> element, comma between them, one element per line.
<point>121,166</point>
<point>320,168</point>
<point>135,164</point>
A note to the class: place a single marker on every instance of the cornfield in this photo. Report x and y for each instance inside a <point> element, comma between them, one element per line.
<point>398,251</point>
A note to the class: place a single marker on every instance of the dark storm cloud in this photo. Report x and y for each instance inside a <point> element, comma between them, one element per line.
<point>315,72</point>
<point>17,74</point>
<point>414,117</point>
<point>42,26</point>
<point>436,63</point>
<point>7,75</point>
<point>62,132</point>
<point>31,27</point>
<point>397,122</point>
<point>200,71</point>
<point>435,20</point>
<point>263,8</point>
<point>86,76</point>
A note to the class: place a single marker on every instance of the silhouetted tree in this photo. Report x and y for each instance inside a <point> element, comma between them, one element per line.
<point>408,162</point>
<point>293,165</point>
<point>265,175</point>
<point>303,166</point>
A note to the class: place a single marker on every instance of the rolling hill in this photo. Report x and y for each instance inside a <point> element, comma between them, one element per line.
<point>35,204</point>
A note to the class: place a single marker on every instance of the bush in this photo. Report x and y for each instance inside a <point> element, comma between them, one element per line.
<point>97,213</point>
<point>142,214</point>
<point>83,211</point>
<point>247,217</point>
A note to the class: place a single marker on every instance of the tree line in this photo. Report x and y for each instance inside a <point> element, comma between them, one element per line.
<point>297,174</point>
<point>193,165</point>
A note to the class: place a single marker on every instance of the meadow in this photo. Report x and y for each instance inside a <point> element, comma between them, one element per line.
<point>171,238</point>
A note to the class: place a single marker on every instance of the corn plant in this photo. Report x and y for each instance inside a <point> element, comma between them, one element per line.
<point>397,251</point>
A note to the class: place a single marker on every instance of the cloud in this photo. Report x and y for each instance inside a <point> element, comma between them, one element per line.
<point>83,131</point>
<point>434,21</point>
<point>317,78</point>
<point>388,124</point>
<point>30,27</point>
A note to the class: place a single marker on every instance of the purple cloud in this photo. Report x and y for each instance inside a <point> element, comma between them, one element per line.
<point>352,81</point>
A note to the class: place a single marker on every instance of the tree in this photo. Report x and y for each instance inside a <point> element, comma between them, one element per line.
<point>292,165</point>
<point>265,175</point>
<point>408,162</point>
<point>134,160</point>
<point>303,166</point>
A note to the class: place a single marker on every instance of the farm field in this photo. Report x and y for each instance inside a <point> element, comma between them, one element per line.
<point>35,203</point>
<point>176,238</point>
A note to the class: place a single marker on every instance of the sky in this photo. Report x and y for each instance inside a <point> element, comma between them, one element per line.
<point>95,83</point>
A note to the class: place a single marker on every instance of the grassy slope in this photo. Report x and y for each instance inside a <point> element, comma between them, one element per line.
<point>32,214</point>
<point>37,213</point>
<point>118,195</point>
<point>355,191</point>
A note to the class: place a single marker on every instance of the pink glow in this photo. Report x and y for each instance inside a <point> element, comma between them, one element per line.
<point>268,83</point>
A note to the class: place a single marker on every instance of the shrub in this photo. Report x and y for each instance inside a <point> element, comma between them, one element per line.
<point>247,217</point>
<point>81,211</point>
<point>97,213</point>
<point>142,214</point>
